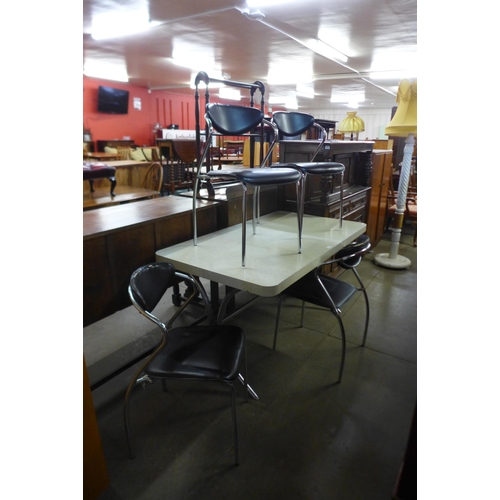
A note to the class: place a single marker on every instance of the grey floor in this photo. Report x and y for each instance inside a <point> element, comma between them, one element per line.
<point>306,437</point>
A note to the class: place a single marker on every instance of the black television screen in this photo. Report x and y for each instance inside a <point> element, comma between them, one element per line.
<point>113,101</point>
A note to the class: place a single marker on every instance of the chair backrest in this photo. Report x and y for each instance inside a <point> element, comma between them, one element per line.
<point>292,123</point>
<point>230,119</point>
<point>149,283</point>
<point>154,177</point>
<point>350,256</point>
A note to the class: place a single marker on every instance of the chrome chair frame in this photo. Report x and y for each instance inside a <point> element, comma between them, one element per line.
<point>306,121</point>
<point>142,377</point>
<point>348,258</point>
<point>246,176</point>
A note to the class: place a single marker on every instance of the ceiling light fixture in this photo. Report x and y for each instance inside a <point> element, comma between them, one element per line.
<point>106,70</point>
<point>304,91</point>
<point>117,24</point>
<point>266,3</point>
<point>277,99</point>
<point>229,93</point>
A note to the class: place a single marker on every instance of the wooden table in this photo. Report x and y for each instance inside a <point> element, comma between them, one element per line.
<point>100,156</point>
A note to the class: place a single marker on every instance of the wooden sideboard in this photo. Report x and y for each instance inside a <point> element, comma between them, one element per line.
<point>118,240</point>
<point>115,143</point>
<point>322,196</point>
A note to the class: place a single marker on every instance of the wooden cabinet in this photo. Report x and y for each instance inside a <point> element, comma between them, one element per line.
<point>118,240</point>
<point>322,196</point>
<point>115,143</point>
<point>377,208</point>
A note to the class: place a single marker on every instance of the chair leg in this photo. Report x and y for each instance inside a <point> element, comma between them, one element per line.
<point>341,198</point>
<point>277,322</point>
<point>342,360</point>
<point>126,418</point>
<point>235,424</point>
<point>244,225</point>
<point>367,304</point>
<point>300,190</point>
<point>195,227</point>
<point>245,370</point>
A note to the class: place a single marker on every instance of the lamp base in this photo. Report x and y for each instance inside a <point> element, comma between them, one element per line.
<point>398,262</point>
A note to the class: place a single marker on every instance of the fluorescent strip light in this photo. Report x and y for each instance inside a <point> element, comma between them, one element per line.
<point>277,99</point>
<point>106,71</point>
<point>304,91</point>
<point>117,24</point>
<point>266,3</point>
<point>350,99</point>
<point>228,93</point>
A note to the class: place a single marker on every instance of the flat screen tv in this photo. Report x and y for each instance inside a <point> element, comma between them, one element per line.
<point>110,100</point>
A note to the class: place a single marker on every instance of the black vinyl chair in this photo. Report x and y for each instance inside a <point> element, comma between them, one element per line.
<point>331,293</point>
<point>234,120</point>
<point>201,352</point>
<point>291,124</point>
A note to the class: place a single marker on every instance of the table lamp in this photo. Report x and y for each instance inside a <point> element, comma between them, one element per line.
<point>403,124</point>
<point>352,124</point>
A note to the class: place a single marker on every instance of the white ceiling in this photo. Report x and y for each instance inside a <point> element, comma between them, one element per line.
<point>215,35</point>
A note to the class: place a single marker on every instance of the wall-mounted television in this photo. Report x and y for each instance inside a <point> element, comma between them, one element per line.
<point>110,100</point>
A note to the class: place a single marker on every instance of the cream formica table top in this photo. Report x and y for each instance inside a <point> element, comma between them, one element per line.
<point>272,259</point>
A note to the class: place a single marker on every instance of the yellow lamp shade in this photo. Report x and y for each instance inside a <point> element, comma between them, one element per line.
<point>404,121</point>
<point>351,123</point>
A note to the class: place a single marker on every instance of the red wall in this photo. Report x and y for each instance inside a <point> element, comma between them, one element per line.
<point>156,107</point>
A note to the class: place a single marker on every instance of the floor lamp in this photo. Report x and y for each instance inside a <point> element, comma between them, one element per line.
<point>352,124</point>
<point>403,124</point>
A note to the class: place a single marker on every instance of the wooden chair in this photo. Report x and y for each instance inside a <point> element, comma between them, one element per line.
<point>179,169</point>
<point>154,177</point>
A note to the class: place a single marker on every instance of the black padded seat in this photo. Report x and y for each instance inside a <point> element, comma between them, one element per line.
<point>208,353</point>
<point>264,176</point>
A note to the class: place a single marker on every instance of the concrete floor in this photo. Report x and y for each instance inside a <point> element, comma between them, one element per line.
<point>306,437</point>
